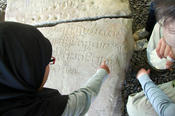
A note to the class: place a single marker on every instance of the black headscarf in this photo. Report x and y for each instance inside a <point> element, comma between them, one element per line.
<point>24,55</point>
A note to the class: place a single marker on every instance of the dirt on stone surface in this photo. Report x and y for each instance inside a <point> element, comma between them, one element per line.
<point>140,10</point>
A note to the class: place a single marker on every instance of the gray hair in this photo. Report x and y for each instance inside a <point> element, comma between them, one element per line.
<point>165,10</point>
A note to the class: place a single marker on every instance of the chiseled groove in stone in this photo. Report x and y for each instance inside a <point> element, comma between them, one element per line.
<point>53,23</point>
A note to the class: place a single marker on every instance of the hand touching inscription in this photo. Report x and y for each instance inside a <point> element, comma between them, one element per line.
<point>104,66</point>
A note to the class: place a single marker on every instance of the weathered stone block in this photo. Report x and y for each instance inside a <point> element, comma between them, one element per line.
<point>39,11</point>
<point>79,49</point>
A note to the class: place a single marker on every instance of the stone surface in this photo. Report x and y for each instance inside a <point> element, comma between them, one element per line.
<point>79,49</point>
<point>140,34</point>
<point>39,11</point>
<point>3,4</point>
<point>141,45</point>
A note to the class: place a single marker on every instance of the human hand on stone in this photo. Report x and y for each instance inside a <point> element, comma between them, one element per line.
<point>142,72</point>
<point>105,67</point>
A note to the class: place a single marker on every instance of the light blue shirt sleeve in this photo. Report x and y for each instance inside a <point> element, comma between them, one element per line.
<point>161,103</point>
<point>79,101</point>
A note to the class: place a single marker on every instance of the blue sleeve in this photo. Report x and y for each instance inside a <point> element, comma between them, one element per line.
<point>79,101</point>
<point>161,103</point>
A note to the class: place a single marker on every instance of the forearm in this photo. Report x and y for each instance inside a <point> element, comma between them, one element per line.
<point>93,85</point>
<point>79,101</point>
<point>158,99</point>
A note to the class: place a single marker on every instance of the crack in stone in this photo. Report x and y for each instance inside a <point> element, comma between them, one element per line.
<point>53,23</point>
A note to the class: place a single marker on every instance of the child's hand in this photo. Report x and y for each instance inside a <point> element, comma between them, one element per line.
<point>104,66</point>
<point>169,65</point>
<point>163,49</point>
<point>170,61</point>
<point>142,72</point>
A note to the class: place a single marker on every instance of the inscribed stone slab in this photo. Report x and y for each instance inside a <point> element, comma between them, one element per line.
<point>79,49</point>
<point>39,11</point>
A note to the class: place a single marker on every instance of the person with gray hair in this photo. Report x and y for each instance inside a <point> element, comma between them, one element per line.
<point>157,100</point>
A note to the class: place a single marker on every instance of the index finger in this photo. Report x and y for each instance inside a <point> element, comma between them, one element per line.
<point>162,49</point>
<point>158,48</point>
<point>167,51</point>
<point>171,54</point>
<point>148,71</point>
<point>103,63</point>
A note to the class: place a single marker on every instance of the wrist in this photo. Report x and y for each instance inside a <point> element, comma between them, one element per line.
<point>141,74</point>
<point>144,79</point>
<point>105,68</point>
<point>102,71</point>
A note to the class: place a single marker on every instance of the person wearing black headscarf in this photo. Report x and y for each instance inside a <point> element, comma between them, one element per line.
<point>24,67</point>
<point>24,55</point>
